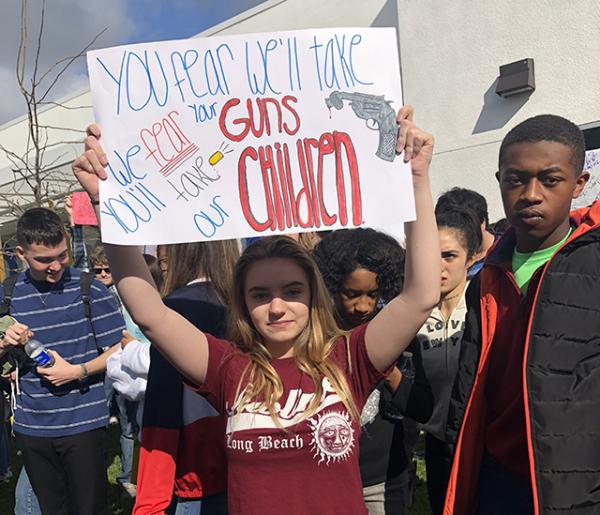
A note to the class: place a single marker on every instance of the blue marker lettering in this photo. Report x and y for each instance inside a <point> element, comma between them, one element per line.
<point>137,82</point>
<point>316,47</point>
<point>344,64</point>
<point>356,39</point>
<point>125,178</point>
<point>219,48</point>
<point>118,81</point>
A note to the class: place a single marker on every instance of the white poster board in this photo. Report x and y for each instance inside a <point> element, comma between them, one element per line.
<point>250,135</point>
<point>591,191</point>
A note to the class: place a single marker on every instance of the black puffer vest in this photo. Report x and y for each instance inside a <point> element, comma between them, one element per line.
<point>562,382</point>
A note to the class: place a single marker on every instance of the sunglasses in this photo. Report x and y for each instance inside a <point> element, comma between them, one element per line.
<point>98,271</point>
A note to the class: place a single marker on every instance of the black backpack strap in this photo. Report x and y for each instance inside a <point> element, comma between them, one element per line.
<point>15,356</point>
<point>85,283</point>
<point>9,286</point>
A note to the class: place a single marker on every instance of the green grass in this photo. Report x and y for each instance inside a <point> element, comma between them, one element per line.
<point>421,503</point>
<point>120,504</point>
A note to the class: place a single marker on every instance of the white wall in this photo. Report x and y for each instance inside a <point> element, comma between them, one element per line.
<point>450,54</point>
<point>305,14</point>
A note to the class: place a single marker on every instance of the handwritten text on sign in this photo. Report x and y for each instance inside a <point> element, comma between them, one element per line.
<point>259,134</point>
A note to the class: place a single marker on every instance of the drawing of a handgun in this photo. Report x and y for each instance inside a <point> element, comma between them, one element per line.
<point>376,109</point>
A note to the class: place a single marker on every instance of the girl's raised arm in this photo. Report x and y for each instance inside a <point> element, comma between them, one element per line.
<point>181,343</point>
<point>391,331</point>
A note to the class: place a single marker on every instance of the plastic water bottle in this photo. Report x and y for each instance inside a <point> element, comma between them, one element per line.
<point>38,353</point>
<point>407,367</point>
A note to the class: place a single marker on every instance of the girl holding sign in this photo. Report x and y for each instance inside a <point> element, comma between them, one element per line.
<point>289,382</point>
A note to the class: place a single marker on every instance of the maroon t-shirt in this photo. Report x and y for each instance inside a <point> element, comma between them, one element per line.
<point>310,467</point>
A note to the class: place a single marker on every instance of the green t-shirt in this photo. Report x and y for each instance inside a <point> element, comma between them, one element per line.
<point>524,264</point>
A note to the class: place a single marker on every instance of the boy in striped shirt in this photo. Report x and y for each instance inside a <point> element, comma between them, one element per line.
<point>61,411</point>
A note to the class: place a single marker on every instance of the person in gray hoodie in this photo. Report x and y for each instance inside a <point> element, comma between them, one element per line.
<point>440,338</point>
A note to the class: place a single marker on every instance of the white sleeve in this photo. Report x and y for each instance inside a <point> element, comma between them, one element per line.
<point>113,365</point>
<point>130,386</point>
<point>136,358</point>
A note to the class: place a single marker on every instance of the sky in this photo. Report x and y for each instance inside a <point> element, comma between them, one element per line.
<point>71,24</point>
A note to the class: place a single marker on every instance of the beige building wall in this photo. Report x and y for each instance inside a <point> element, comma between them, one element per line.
<point>451,52</point>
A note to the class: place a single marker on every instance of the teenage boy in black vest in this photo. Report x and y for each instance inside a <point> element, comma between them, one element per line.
<point>525,410</point>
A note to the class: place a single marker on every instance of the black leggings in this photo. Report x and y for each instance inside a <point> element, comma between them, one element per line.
<point>439,463</point>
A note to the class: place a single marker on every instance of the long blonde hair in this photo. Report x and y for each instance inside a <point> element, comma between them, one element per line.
<point>214,260</point>
<point>312,348</point>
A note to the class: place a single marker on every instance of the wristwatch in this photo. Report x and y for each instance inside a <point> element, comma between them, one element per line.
<point>85,373</point>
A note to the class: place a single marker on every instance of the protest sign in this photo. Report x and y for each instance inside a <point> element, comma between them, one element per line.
<point>591,192</point>
<point>83,212</point>
<point>250,135</point>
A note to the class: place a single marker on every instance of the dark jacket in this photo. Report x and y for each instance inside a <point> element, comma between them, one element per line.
<point>382,452</point>
<point>183,447</point>
<point>561,380</point>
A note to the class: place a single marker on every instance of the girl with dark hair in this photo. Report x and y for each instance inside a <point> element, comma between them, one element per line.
<point>289,383</point>
<point>362,269</point>
<point>440,338</point>
<point>183,453</point>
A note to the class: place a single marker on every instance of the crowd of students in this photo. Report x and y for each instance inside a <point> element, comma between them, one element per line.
<point>295,376</point>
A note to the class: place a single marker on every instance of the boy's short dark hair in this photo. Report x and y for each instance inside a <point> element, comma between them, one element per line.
<point>464,198</point>
<point>41,226</point>
<point>547,127</point>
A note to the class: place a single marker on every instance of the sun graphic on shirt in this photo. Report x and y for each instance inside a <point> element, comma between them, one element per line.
<point>332,436</point>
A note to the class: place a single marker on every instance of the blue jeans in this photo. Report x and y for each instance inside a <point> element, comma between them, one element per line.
<point>109,391</point>
<point>211,505</point>
<point>188,506</point>
<point>500,492</point>
<point>127,421</point>
<point>26,502</point>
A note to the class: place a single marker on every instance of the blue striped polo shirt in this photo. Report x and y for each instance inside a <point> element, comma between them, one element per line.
<point>55,313</point>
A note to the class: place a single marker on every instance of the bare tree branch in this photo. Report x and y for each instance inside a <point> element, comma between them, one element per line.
<point>70,61</point>
<point>64,142</point>
<point>22,51</point>
<point>64,106</point>
<point>55,160</point>
<point>36,181</point>
<point>61,128</point>
<point>39,45</point>
<point>14,157</point>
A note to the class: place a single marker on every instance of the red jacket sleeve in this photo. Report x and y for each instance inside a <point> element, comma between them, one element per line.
<point>156,470</point>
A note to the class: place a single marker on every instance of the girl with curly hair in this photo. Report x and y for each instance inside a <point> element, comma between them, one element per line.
<point>363,270</point>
